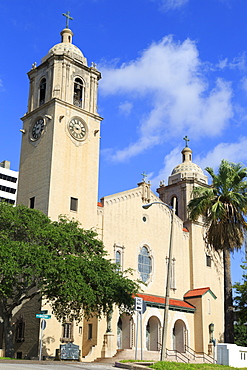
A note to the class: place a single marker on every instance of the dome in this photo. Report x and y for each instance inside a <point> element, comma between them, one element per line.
<point>187,170</point>
<point>187,167</point>
<point>65,47</point>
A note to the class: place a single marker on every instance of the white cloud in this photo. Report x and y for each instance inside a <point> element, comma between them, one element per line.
<point>172,4</point>
<point>168,79</point>
<point>233,152</point>
<point>238,62</point>
<point>171,160</point>
<point>223,63</point>
<point>126,108</point>
<point>244,83</point>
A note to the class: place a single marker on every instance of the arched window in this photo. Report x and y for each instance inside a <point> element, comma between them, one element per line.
<point>118,260</point>
<point>144,264</point>
<point>78,92</point>
<point>19,330</point>
<point>42,90</point>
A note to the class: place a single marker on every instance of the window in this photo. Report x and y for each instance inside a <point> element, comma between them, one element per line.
<point>119,256</point>
<point>144,264</point>
<point>10,201</point>
<point>8,178</point>
<point>118,260</point>
<point>67,332</point>
<point>73,204</point>
<point>90,331</point>
<point>208,260</point>
<point>78,92</point>
<point>42,90</point>
<point>19,331</point>
<point>31,202</point>
<point>7,189</point>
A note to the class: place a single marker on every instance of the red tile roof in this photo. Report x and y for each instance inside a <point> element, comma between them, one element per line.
<point>100,204</point>
<point>161,300</point>
<point>199,292</point>
<point>185,229</point>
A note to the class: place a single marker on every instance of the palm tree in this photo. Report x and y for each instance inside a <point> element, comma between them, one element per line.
<point>223,206</point>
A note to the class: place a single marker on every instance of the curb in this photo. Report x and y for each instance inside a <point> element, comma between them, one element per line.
<point>133,365</point>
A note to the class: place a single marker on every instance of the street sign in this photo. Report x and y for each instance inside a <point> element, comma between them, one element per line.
<point>41,316</point>
<point>138,304</point>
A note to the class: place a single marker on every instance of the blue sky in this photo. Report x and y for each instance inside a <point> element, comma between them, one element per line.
<point>170,68</point>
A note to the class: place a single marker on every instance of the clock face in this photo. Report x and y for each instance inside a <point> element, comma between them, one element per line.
<point>77,128</point>
<point>37,129</point>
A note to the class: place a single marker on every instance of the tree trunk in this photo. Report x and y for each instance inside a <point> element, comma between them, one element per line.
<point>228,301</point>
<point>8,335</point>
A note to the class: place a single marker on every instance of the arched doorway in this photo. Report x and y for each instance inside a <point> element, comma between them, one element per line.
<point>179,336</point>
<point>153,334</point>
<point>124,326</point>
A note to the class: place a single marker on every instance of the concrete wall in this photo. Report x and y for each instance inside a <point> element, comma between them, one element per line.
<point>231,355</point>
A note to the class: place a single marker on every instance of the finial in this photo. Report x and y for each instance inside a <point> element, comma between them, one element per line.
<point>143,176</point>
<point>186,140</point>
<point>67,15</point>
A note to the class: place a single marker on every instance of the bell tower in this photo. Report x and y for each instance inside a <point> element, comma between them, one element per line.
<point>181,183</point>
<point>61,133</point>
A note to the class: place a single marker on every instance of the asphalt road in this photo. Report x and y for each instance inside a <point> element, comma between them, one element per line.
<point>57,366</point>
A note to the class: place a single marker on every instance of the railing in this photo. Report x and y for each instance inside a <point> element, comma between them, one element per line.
<point>178,355</point>
<point>190,351</point>
<point>197,355</point>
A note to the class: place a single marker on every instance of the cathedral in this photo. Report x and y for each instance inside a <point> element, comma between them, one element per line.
<point>59,167</point>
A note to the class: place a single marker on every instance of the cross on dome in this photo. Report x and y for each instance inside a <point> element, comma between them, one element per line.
<point>67,15</point>
<point>186,139</point>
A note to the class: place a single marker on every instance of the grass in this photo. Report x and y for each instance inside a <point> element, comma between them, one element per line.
<point>7,358</point>
<point>166,365</point>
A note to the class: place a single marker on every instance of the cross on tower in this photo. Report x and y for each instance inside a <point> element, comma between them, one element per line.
<point>143,176</point>
<point>67,15</point>
<point>186,140</point>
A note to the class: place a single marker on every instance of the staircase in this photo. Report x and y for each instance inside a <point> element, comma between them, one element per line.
<point>190,356</point>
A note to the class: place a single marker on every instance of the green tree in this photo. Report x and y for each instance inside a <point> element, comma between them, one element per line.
<point>241,306</point>
<point>223,206</point>
<point>59,261</point>
<point>240,334</point>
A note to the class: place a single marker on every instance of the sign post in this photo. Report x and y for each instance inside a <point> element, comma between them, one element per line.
<point>139,311</point>
<point>43,315</point>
